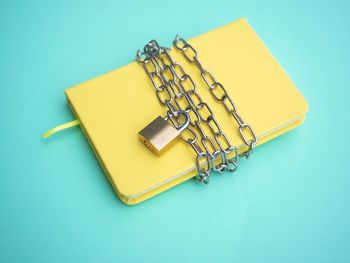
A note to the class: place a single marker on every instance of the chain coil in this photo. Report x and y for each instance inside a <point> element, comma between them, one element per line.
<point>218,92</point>
<point>176,90</point>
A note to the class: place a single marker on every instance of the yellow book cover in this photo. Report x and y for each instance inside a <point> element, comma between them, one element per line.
<point>114,107</point>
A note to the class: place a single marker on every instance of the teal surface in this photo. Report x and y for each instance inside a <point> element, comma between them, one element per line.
<point>288,203</point>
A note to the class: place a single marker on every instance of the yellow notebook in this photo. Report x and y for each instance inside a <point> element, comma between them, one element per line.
<point>114,107</point>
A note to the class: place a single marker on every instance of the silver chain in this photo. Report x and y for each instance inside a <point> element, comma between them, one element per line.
<point>177,90</point>
<point>218,92</point>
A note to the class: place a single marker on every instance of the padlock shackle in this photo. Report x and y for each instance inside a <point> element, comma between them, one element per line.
<point>177,113</point>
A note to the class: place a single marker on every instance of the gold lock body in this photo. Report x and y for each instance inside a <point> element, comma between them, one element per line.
<point>158,135</point>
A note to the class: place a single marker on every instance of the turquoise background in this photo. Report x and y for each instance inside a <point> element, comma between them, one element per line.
<point>289,203</point>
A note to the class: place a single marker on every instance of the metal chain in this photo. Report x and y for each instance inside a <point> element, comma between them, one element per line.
<point>218,92</point>
<point>149,59</point>
<point>223,147</point>
<point>198,106</point>
<point>178,88</point>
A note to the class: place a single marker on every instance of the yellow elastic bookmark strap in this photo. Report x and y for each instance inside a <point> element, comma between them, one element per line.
<point>61,127</point>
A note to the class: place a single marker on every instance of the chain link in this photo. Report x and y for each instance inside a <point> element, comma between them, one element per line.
<point>219,93</point>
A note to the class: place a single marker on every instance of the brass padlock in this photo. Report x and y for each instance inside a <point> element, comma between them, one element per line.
<point>159,134</point>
